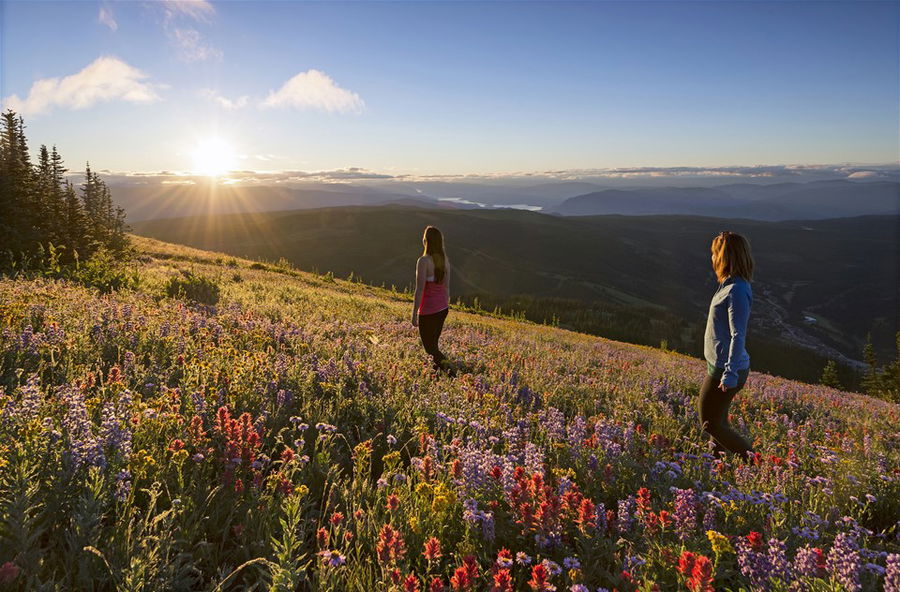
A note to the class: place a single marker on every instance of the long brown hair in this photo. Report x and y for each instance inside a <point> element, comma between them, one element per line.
<point>434,246</point>
<point>731,256</point>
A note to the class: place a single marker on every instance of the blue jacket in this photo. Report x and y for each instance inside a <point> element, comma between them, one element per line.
<point>726,329</point>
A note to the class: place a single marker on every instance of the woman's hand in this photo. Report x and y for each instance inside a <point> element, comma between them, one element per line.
<point>415,319</point>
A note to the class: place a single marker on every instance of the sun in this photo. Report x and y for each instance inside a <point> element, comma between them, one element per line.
<point>213,157</point>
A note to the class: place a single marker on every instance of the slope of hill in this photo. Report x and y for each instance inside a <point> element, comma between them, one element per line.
<point>291,435</point>
<point>821,285</point>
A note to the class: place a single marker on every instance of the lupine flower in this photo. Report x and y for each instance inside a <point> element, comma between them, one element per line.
<point>685,512</point>
<point>809,562</point>
<point>753,562</point>
<point>892,573</point>
<point>844,562</point>
<point>781,569</point>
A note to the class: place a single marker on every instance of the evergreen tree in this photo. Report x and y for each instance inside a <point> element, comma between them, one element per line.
<point>830,375</point>
<point>16,189</point>
<point>871,382</point>
<point>76,224</point>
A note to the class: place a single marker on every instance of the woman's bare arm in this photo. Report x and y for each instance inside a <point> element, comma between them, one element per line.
<point>421,276</point>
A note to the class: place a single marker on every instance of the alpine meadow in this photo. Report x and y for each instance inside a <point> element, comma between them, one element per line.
<point>449,296</point>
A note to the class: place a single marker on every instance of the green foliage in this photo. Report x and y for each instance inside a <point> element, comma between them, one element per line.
<point>40,209</point>
<point>106,272</point>
<point>830,375</point>
<point>191,286</point>
<point>882,382</point>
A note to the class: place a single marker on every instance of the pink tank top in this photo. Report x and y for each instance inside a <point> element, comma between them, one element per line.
<point>434,298</point>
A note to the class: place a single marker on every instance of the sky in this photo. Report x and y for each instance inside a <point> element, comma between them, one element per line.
<point>453,87</point>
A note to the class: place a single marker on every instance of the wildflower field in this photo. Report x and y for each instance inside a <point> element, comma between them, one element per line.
<point>286,432</point>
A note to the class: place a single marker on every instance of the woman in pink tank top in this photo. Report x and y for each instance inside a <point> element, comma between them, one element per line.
<point>432,300</point>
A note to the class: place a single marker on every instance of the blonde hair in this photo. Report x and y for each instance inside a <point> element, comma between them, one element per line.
<point>731,256</point>
<point>434,246</point>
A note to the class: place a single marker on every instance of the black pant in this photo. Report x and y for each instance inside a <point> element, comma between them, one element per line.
<point>713,409</point>
<point>430,327</point>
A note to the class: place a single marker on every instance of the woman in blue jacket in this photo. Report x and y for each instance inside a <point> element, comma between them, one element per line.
<point>727,361</point>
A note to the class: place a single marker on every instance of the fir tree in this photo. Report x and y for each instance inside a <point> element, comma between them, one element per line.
<point>830,375</point>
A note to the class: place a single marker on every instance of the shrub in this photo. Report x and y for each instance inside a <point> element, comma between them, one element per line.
<point>105,272</point>
<point>193,287</point>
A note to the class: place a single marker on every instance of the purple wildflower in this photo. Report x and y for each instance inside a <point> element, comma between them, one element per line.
<point>844,562</point>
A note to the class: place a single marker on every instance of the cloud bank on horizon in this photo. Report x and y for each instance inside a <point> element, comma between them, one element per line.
<point>676,175</point>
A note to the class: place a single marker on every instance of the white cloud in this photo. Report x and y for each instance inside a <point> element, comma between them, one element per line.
<point>225,102</point>
<point>105,79</point>
<point>191,48</point>
<point>106,18</point>
<point>199,10</point>
<point>315,90</point>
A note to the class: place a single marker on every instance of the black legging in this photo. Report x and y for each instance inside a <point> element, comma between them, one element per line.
<point>713,409</point>
<point>430,327</point>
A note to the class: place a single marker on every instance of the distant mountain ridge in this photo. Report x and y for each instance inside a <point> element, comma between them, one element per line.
<point>784,201</point>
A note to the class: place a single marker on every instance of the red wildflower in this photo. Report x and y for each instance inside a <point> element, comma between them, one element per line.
<point>336,518</point>
<point>496,472</point>
<point>285,486</point>
<point>9,571</point>
<point>427,467</point>
<point>586,518</point>
<point>686,563</point>
<point>665,518</point>
<point>436,585</point>
<point>196,433</point>
<point>643,501</point>
<point>471,565</point>
<point>456,468</point>
<point>459,581</point>
<point>238,486</point>
<point>432,549</point>
<point>701,575</point>
<point>411,583</point>
<point>820,558</point>
<point>176,445</point>
<point>358,515</point>
<point>502,581</point>
<point>348,536</point>
<point>393,502</point>
<point>322,538</point>
<point>540,579</point>
<point>390,545</point>
<point>756,540</point>
<point>395,575</point>
<point>287,455</point>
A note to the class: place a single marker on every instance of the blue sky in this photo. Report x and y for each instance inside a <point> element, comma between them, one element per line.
<point>435,88</point>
